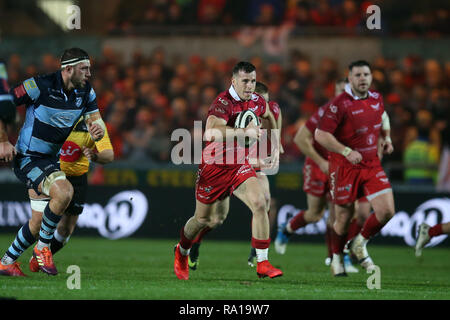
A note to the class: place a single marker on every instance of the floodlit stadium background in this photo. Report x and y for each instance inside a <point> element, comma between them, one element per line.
<point>157,65</point>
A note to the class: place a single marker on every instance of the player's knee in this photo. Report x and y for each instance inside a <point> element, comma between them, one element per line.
<point>215,223</point>
<point>64,192</point>
<point>64,230</point>
<point>203,221</point>
<point>259,205</point>
<point>267,199</point>
<point>384,214</point>
<point>35,224</point>
<point>388,213</point>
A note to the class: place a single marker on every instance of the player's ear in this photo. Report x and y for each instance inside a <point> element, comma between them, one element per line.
<point>233,81</point>
<point>70,70</point>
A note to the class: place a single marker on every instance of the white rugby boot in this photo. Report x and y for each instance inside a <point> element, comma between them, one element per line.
<point>337,266</point>
<point>348,265</point>
<point>422,239</point>
<point>358,248</point>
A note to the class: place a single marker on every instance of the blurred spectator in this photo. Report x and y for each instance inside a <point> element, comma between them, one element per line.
<point>322,14</point>
<point>348,15</point>
<point>422,147</point>
<point>137,141</point>
<point>210,11</point>
<point>143,101</point>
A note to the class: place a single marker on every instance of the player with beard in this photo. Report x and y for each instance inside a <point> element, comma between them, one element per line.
<point>54,104</point>
<point>349,129</point>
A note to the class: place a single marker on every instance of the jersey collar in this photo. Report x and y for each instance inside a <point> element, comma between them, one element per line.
<point>348,90</point>
<point>234,94</point>
<point>236,97</point>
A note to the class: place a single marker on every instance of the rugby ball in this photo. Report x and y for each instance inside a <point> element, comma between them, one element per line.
<point>244,118</point>
<point>242,121</point>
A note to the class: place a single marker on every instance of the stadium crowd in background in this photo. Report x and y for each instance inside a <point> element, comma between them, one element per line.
<point>144,101</point>
<point>405,20</point>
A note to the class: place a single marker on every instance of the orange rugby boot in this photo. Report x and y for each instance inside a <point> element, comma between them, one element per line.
<point>181,266</point>
<point>12,270</point>
<point>34,266</point>
<point>265,269</point>
<point>44,259</point>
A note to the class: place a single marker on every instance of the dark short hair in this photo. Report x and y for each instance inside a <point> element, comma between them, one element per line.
<point>359,63</point>
<point>245,66</point>
<point>261,88</point>
<point>342,80</point>
<point>73,54</point>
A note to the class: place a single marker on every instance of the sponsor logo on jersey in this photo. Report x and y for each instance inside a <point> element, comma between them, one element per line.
<point>223,101</point>
<point>333,108</point>
<point>375,106</point>
<point>219,109</point>
<point>70,151</point>
<point>78,101</point>
<point>370,139</point>
<point>362,130</point>
<point>64,119</point>
<point>358,111</point>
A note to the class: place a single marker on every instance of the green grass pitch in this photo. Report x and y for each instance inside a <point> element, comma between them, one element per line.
<point>143,269</point>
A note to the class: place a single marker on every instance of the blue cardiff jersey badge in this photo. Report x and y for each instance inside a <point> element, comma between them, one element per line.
<point>78,101</point>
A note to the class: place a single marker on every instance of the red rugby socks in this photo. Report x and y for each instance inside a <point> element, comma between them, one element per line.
<point>298,220</point>
<point>435,231</point>
<point>337,242</point>
<point>201,234</point>
<point>353,229</point>
<point>371,227</point>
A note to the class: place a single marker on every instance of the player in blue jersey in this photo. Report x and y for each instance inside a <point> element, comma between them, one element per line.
<point>7,114</point>
<point>54,104</point>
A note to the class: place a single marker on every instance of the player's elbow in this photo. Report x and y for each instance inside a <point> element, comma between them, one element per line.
<point>107,156</point>
<point>302,138</point>
<point>319,136</point>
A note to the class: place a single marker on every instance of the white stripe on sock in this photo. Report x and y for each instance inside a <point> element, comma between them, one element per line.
<point>262,254</point>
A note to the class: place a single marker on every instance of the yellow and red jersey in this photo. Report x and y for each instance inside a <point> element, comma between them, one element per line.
<point>72,160</point>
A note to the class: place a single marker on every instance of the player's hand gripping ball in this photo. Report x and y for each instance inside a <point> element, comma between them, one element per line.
<point>248,119</point>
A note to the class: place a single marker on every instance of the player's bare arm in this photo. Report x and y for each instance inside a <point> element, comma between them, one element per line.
<point>329,142</point>
<point>7,150</point>
<point>388,148</point>
<point>103,157</point>
<point>95,125</point>
<point>217,130</point>
<point>304,141</point>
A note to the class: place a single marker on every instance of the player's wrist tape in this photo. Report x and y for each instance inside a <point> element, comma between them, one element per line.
<point>346,151</point>
<point>385,124</point>
<point>388,139</point>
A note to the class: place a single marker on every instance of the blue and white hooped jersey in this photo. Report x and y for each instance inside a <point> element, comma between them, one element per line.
<point>50,114</point>
<point>4,89</point>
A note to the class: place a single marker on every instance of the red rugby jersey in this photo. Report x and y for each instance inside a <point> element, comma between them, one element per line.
<point>312,124</point>
<point>227,105</point>
<point>275,109</point>
<point>356,123</point>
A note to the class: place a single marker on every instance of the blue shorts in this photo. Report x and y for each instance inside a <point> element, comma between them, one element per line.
<point>32,170</point>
